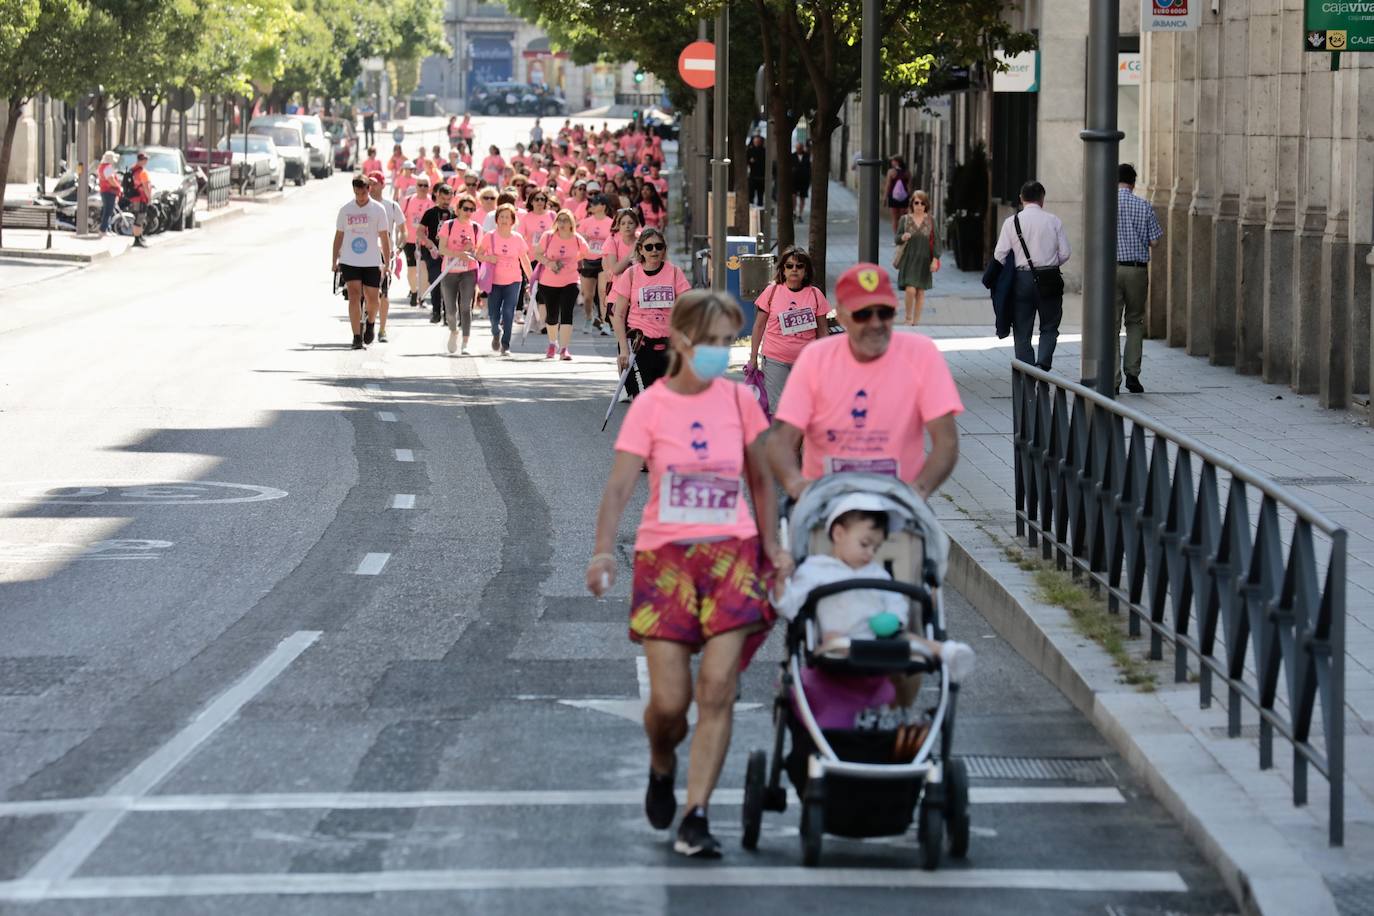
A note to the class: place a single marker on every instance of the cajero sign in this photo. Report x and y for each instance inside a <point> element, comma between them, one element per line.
<point>1338,25</point>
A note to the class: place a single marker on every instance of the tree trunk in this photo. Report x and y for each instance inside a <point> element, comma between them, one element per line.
<point>738,142</point>
<point>780,133</point>
<point>14,111</point>
<point>123,121</point>
<point>149,108</point>
<point>823,129</point>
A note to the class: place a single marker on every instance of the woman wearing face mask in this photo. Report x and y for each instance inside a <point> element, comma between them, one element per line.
<point>642,300</point>
<point>700,436</point>
<point>790,313</point>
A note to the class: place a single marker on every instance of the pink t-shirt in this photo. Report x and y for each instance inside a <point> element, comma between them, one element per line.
<point>569,251</point>
<point>596,232</point>
<point>794,320</point>
<point>458,234</point>
<point>533,225</point>
<point>655,217</point>
<point>492,167</point>
<point>371,165</point>
<point>616,249</point>
<point>539,177</point>
<point>694,447</point>
<point>651,298</point>
<point>507,249</point>
<point>867,416</point>
<point>405,187</point>
<point>414,208</point>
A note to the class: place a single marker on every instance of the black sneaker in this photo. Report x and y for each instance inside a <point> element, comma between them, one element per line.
<point>694,837</point>
<point>414,299</point>
<point>435,317</point>
<point>1133,384</point>
<point>357,341</point>
<point>368,332</point>
<point>660,804</point>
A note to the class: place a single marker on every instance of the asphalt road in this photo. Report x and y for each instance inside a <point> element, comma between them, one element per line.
<point>296,629</point>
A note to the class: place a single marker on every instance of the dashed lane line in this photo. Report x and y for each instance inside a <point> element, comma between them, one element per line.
<point>63,860</point>
<point>372,564</point>
<point>386,416</point>
<point>521,879</point>
<point>516,798</point>
<point>404,454</point>
<point>403,501</point>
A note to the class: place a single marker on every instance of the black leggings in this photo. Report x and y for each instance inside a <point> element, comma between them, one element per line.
<point>651,361</point>
<point>559,303</point>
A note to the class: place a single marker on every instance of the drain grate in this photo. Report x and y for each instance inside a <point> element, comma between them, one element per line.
<point>1354,894</point>
<point>1071,769</point>
<point>28,676</point>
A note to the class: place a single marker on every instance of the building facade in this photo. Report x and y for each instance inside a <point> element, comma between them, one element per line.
<point>1260,163</point>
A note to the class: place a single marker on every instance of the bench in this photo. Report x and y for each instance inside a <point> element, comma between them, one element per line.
<point>32,217</point>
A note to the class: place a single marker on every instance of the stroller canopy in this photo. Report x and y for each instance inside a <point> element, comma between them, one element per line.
<point>905,509</point>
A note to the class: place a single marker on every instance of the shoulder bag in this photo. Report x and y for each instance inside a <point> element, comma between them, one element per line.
<point>903,225</point>
<point>1049,281</point>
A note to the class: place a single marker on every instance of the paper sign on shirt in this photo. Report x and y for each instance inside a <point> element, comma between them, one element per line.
<point>837,465</point>
<point>657,297</point>
<point>698,499</point>
<point>797,320</point>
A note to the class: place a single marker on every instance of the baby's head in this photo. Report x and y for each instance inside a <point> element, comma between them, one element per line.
<point>857,535</point>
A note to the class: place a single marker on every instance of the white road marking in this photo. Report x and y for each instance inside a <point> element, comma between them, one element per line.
<point>404,454</point>
<point>642,675</point>
<point>633,710</point>
<point>207,885</point>
<point>372,388</point>
<point>515,798</point>
<point>372,564</point>
<point>403,501</point>
<point>95,826</point>
<point>386,416</point>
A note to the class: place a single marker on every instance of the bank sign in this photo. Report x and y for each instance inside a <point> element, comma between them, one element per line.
<point>1170,15</point>
<point>1338,25</point>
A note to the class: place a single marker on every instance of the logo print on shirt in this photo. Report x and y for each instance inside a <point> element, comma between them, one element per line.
<point>700,447</point>
<point>859,412</point>
<point>359,246</point>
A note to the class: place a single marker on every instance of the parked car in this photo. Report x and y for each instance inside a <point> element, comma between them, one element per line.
<point>169,172</point>
<point>510,98</point>
<point>260,147</point>
<point>658,121</point>
<point>289,138</point>
<point>345,138</point>
<point>321,147</point>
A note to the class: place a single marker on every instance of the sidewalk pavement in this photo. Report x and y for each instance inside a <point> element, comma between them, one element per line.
<point>1274,857</point>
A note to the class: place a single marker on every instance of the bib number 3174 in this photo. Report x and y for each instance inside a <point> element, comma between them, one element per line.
<point>698,499</point>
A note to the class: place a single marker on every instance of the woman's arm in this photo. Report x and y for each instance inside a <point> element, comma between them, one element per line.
<point>618,323</point>
<point>756,337</point>
<point>765,504</point>
<point>619,487</point>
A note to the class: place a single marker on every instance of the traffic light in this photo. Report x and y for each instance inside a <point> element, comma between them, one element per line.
<point>639,76</point>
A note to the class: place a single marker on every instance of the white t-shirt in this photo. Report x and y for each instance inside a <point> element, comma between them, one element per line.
<point>848,612</point>
<point>361,227</point>
<point>396,216</point>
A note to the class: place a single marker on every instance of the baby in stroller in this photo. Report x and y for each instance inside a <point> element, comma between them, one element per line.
<point>857,526</point>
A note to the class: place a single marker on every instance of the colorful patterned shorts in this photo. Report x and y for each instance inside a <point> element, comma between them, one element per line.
<point>688,593</point>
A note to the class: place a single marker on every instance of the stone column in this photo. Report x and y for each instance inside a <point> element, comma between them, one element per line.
<point>1261,85</point>
<point>1334,325</point>
<point>1232,43</point>
<point>1158,168</point>
<point>1176,232</point>
<point>1360,126</point>
<point>1315,194</point>
<point>1206,186</point>
<point>1280,229</point>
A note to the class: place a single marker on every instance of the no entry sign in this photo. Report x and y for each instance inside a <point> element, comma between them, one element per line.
<point>697,65</point>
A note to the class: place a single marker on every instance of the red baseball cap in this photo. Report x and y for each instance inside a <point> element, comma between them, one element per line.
<point>377,177</point>
<point>864,284</point>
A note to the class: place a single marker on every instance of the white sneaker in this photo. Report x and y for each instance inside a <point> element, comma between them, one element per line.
<point>452,341</point>
<point>958,658</point>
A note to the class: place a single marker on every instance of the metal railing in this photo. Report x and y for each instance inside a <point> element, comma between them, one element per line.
<point>642,99</point>
<point>252,178</point>
<point>217,187</point>
<point>1250,583</point>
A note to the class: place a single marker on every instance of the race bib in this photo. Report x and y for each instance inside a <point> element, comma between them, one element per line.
<point>657,297</point>
<point>794,321</point>
<point>885,466</point>
<point>698,499</point>
<point>594,246</point>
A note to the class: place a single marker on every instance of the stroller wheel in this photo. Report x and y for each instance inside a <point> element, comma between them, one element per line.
<point>931,833</point>
<point>754,778</point>
<point>956,807</point>
<point>812,824</point>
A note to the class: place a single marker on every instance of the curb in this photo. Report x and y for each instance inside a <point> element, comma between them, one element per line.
<point>43,254</point>
<point>1265,874</point>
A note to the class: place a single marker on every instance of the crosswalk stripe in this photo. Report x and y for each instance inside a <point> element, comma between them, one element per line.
<point>354,801</point>
<point>206,885</point>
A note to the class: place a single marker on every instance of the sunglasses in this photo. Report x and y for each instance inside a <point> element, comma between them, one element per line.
<point>468,209</point>
<point>794,266</point>
<point>864,315</point>
<point>654,246</point>
<point>539,200</point>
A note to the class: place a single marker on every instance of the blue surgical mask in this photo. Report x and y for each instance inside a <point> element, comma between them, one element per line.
<point>710,362</point>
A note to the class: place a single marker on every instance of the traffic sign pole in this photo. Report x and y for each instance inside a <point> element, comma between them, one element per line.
<point>720,165</point>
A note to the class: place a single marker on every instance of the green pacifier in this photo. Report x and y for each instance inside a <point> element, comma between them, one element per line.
<point>885,624</point>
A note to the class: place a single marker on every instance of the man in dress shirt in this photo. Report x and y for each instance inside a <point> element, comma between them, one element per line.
<point>1038,290</point>
<point>1137,231</point>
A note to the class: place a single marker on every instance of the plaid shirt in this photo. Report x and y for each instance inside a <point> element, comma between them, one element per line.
<point>1136,227</point>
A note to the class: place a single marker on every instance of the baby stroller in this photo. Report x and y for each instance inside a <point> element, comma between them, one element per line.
<point>847,779</point>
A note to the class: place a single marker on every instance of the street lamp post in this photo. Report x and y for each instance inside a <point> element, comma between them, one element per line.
<point>720,164</point>
<point>1103,142</point>
<point>868,156</point>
